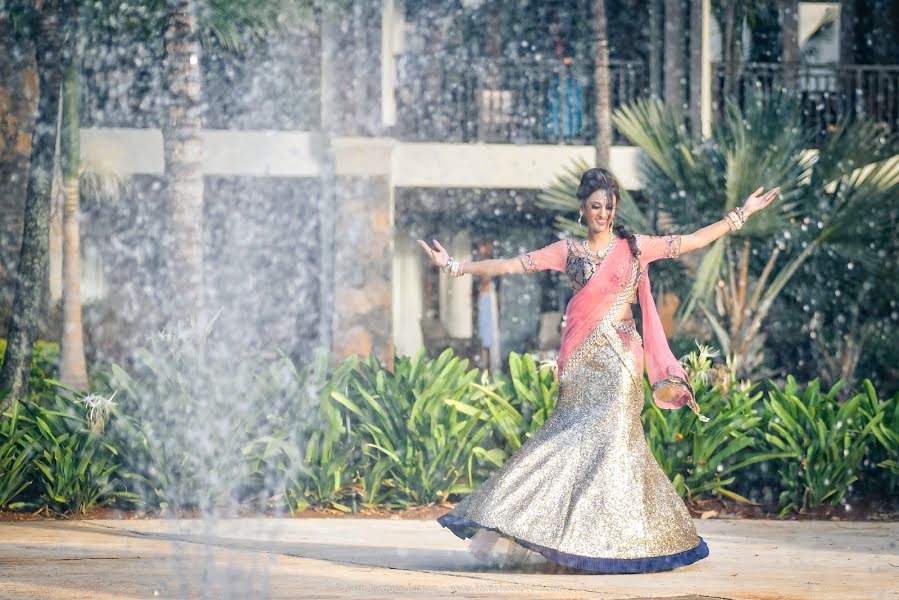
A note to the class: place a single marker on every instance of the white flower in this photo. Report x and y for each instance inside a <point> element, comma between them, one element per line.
<point>99,408</point>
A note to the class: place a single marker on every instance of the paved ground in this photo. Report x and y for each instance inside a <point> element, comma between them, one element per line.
<point>387,558</point>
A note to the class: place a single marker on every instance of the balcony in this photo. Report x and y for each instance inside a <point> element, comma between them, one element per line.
<point>505,101</point>
<point>551,103</point>
<point>827,91</point>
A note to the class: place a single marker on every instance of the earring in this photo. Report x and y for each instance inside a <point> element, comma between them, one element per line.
<point>579,218</point>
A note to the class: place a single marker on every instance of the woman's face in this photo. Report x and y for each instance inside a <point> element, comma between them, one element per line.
<point>599,211</point>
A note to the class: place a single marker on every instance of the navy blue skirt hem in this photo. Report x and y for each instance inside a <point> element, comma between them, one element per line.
<point>464,528</point>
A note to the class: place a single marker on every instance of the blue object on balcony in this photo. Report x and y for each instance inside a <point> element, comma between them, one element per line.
<point>570,116</point>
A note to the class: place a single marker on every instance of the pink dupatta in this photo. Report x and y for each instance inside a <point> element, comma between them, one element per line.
<point>596,304</point>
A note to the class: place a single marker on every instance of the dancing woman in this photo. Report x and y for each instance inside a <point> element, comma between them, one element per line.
<point>584,491</point>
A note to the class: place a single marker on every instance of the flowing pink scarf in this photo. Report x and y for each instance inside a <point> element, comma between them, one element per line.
<point>595,306</point>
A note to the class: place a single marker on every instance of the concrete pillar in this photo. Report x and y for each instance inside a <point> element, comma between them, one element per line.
<point>456,306</point>
<point>408,294</point>
<point>363,247</point>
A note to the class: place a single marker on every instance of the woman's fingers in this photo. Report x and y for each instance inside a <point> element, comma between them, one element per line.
<point>438,246</point>
<point>428,249</point>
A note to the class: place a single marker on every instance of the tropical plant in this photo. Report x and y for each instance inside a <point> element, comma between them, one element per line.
<point>417,425</point>
<point>185,418</point>
<point>827,437</point>
<point>823,193</point>
<point>15,457</point>
<point>520,403</point>
<point>708,457</point>
<point>329,467</point>
<point>300,413</point>
<point>44,361</point>
<point>76,468</point>
<point>73,365</point>
<point>885,454</point>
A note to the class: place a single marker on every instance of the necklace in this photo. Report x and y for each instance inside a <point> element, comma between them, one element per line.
<point>599,253</point>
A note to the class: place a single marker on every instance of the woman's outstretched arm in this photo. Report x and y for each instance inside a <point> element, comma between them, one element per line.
<point>481,268</point>
<point>552,256</point>
<point>708,234</point>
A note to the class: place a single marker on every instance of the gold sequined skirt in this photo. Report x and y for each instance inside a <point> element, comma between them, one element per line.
<point>584,490</point>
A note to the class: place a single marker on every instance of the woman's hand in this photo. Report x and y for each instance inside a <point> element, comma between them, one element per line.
<point>755,203</point>
<point>439,257</point>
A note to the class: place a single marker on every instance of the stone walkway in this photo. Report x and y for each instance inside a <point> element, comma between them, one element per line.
<point>394,558</point>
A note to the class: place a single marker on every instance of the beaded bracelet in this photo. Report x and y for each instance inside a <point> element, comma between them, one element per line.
<point>733,220</point>
<point>453,267</point>
<point>730,222</point>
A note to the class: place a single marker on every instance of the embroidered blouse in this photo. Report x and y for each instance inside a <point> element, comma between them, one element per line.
<point>569,257</point>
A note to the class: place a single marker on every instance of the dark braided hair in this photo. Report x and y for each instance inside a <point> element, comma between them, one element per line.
<point>602,179</point>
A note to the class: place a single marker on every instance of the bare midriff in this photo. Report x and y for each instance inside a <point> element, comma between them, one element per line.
<point>624,313</point>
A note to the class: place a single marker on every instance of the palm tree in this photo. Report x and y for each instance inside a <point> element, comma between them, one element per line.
<point>790,25</point>
<point>73,366</point>
<point>226,24</point>
<point>44,25</point>
<point>228,21</point>
<point>732,15</point>
<point>738,278</point>
<point>603,107</point>
<point>674,54</point>
<point>183,154</point>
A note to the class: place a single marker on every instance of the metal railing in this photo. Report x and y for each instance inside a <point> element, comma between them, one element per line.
<point>827,92</point>
<point>505,101</point>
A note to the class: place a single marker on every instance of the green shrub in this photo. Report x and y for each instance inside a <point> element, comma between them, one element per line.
<point>881,463</point>
<point>322,475</point>
<point>185,419</point>
<point>72,467</point>
<point>522,401</point>
<point>699,457</point>
<point>827,437</point>
<point>417,425</point>
<point>190,432</point>
<point>15,459</point>
<point>44,367</point>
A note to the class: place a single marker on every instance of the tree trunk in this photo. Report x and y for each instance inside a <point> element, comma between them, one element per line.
<point>655,48</point>
<point>73,367</point>
<point>790,18</point>
<point>31,278</point>
<point>847,32</point>
<point>696,69</point>
<point>57,200</point>
<point>183,153</point>
<point>730,83</point>
<point>674,54</point>
<point>601,81</point>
